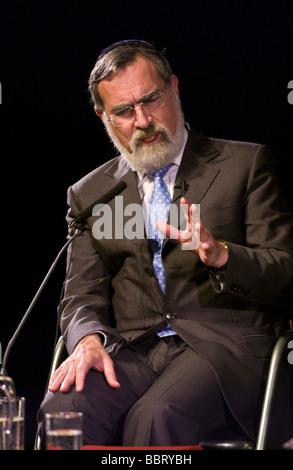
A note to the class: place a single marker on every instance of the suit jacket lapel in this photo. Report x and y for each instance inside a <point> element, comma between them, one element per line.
<point>196,170</point>
<point>121,172</point>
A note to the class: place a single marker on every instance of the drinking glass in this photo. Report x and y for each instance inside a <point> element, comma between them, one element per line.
<point>7,388</point>
<point>12,421</point>
<point>64,430</point>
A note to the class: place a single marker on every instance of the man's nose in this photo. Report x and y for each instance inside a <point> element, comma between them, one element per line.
<point>142,119</point>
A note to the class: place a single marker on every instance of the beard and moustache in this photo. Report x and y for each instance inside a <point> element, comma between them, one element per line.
<point>152,157</point>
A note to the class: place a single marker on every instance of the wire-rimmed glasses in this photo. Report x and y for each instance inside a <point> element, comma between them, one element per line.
<point>125,114</point>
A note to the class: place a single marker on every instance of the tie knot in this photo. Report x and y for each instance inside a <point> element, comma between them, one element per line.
<point>161,172</point>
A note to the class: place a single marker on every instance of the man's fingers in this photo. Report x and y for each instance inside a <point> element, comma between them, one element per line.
<point>104,365</point>
<point>73,371</point>
<point>58,377</point>
<point>70,371</point>
<point>80,375</point>
<point>70,376</point>
<point>112,379</point>
<point>107,367</point>
<point>168,230</point>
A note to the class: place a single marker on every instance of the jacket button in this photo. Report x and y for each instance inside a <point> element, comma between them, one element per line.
<point>169,316</point>
<point>149,271</point>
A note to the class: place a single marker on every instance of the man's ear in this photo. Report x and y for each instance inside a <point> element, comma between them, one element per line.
<point>99,113</point>
<point>174,83</point>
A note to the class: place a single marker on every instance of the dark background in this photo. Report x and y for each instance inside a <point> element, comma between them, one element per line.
<point>234,60</point>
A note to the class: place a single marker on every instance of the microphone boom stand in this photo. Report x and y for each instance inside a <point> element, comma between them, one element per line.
<point>78,224</point>
<point>79,230</point>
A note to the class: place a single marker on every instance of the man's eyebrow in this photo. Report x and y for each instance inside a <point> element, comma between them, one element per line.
<point>121,107</point>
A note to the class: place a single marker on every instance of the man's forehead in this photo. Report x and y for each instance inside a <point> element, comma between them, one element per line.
<point>130,83</point>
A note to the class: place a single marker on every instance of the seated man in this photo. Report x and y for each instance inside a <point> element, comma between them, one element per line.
<point>174,352</point>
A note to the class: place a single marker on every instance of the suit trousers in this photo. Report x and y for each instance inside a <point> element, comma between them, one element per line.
<point>169,396</point>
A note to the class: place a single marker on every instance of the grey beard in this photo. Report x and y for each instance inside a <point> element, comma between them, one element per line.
<point>152,157</point>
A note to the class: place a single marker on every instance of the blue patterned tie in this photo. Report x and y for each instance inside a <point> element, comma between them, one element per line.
<point>158,210</point>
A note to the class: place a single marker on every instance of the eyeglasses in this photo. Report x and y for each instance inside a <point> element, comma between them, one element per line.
<point>125,114</point>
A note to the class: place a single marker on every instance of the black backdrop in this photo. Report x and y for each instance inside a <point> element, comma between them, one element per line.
<point>234,60</point>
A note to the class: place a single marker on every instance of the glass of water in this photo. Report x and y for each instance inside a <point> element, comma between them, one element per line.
<point>64,430</point>
<point>12,419</point>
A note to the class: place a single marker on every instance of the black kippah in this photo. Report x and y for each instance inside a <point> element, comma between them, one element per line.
<point>126,42</point>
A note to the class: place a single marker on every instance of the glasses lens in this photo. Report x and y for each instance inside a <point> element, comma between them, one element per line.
<point>152,103</point>
<point>123,117</point>
<point>148,105</point>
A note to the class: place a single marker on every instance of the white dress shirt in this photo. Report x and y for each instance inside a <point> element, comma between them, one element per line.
<point>146,182</point>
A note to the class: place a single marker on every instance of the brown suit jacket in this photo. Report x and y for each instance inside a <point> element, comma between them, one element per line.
<point>111,285</point>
